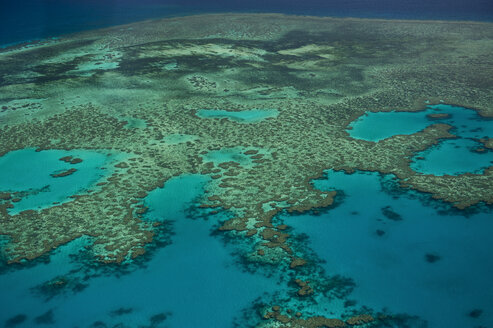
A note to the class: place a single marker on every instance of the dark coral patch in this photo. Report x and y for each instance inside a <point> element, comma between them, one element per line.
<point>390,214</point>
<point>46,318</point>
<point>64,173</point>
<point>15,320</point>
<point>476,313</point>
<point>432,258</point>
<point>121,311</point>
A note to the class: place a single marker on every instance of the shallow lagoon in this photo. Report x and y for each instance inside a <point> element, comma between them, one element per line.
<point>192,281</point>
<point>30,173</point>
<point>448,156</point>
<point>381,125</point>
<point>244,116</point>
<point>403,253</point>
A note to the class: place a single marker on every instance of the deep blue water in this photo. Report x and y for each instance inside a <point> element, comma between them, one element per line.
<point>35,19</point>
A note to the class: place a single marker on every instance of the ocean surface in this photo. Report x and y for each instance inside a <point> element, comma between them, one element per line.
<point>424,259</point>
<point>192,282</point>
<point>37,19</point>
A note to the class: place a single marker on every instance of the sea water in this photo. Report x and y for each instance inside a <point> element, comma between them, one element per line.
<point>376,126</point>
<point>34,19</point>
<point>406,252</point>
<point>448,156</point>
<point>192,282</point>
<point>452,157</point>
<point>32,175</point>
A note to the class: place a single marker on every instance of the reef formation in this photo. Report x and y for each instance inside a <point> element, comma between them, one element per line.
<point>87,90</point>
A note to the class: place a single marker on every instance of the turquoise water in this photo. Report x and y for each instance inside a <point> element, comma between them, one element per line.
<point>29,173</point>
<point>381,125</point>
<point>244,116</point>
<point>448,156</point>
<point>192,281</point>
<point>404,254</point>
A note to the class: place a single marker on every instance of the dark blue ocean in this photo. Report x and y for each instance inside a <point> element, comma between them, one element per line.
<point>36,19</point>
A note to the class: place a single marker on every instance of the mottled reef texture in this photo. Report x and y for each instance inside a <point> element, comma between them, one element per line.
<point>79,92</point>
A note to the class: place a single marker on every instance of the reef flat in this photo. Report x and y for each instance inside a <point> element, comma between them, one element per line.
<point>137,90</point>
